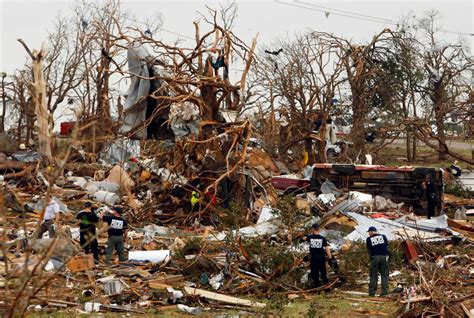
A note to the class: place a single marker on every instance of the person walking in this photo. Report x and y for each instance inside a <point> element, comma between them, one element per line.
<point>50,219</point>
<point>118,230</point>
<point>319,248</point>
<point>87,226</point>
<point>377,244</point>
<point>430,190</point>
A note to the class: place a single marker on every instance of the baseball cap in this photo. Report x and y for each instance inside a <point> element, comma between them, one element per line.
<point>372,229</point>
<point>315,226</point>
<point>118,209</point>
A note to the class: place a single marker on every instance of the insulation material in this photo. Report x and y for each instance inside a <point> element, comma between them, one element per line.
<point>151,256</point>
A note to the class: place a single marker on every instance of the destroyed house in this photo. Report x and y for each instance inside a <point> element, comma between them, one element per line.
<point>401,184</point>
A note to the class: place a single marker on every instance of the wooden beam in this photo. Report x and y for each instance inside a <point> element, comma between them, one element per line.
<point>416,300</point>
<point>222,298</point>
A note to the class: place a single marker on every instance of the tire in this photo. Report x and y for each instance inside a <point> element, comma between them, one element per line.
<point>344,169</point>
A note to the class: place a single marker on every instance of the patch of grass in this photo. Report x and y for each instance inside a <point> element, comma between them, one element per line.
<point>387,156</point>
<point>337,305</point>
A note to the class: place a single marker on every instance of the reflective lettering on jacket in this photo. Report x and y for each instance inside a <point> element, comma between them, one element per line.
<point>316,243</point>
<point>116,224</point>
<point>376,240</point>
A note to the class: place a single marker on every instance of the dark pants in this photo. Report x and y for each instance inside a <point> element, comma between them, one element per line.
<point>89,243</point>
<point>378,264</point>
<point>115,243</point>
<point>318,268</point>
<point>47,226</point>
<point>431,208</point>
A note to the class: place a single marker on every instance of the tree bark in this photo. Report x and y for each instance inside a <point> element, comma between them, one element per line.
<point>42,113</point>
<point>442,153</point>
<point>4,102</point>
<point>358,129</point>
<point>408,141</point>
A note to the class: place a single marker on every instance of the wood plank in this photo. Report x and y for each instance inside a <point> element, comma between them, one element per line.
<point>167,307</point>
<point>467,310</point>
<point>158,285</point>
<point>168,279</point>
<point>222,298</point>
<point>416,300</point>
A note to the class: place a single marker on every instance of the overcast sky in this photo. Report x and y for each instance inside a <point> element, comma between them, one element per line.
<point>30,20</point>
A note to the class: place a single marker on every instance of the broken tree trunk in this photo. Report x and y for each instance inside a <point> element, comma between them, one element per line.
<point>38,87</point>
<point>42,113</point>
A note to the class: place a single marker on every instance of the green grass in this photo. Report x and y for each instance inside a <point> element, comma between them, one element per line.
<point>388,157</point>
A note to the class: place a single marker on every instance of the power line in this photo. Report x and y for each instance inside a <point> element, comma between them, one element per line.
<point>348,12</point>
<point>355,15</point>
<point>335,13</point>
<point>161,29</point>
<point>175,33</point>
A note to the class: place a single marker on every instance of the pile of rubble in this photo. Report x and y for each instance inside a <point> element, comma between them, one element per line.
<point>215,221</point>
<point>238,244</point>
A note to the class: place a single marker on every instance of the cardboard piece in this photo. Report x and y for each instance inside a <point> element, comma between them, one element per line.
<point>81,263</point>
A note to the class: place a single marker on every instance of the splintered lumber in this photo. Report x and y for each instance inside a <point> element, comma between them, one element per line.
<point>416,300</point>
<point>469,312</point>
<point>460,226</point>
<point>25,172</point>
<point>167,280</point>
<point>371,313</point>
<point>374,300</point>
<point>14,165</point>
<point>354,292</point>
<point>222,298</point>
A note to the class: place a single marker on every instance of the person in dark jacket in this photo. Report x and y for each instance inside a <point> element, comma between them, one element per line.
<point>377,244</point>
<point>319,248</point>
<point>87,226</point>
<point>430,190</point>
<point>118,230</point>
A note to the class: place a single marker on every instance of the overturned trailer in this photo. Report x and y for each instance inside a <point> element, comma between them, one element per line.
<point>401,184</point>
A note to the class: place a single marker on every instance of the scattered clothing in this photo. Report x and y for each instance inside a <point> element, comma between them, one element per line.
<point>455,170</point>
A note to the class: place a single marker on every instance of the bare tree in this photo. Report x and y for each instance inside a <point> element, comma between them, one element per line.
<point>409,81</point>
<point>448,69</point>
<point>365,76</point>
<point>301,78</point>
